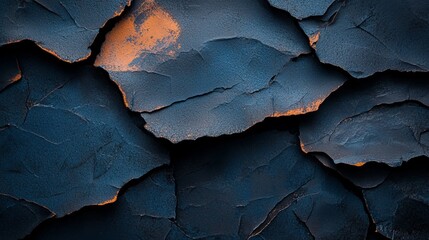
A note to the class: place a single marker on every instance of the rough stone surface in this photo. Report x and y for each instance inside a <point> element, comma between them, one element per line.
<point>19,217</point>
<point>66,140</point>
<point>65,28</point>
<point>250,187</point>
<point>400,205</point>
<point>384,119</point>
<point>364,36</point>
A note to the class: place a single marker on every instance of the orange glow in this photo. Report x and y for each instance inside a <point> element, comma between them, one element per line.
<point>359,164</point>
<point>313,39</point>
<point>109,201</point>
<point>313,106</point>
<point>302,147</point>
<point>16,77</point>
<point>130,40</point>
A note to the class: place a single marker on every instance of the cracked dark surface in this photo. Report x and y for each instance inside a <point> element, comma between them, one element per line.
<point>66,139</point>
<point>144,211</point>
<point>241,102</point>
<point>212,81</point>
<point>65,28</point>
<point>351,126</point>
<point>191,119</point>
<point>364,36</point>
<point>255,176</point>
<point>400,205</point>
<point>19,217</point>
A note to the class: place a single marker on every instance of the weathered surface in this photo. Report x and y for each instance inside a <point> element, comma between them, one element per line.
<point>142,212</point>
<point>9,70</point>
<point>155,31</point>
<point>66,139</point>
<point>189,80</point>
<point>368,175</point>
<point>233,189</point>
<point>65,28</point>
<point>384,119</point>
<point>302,8</point>
<point>300,87</point>
<point>400,205</point>
<point>75,163</point>
<point>18,217</point>
<point>364,36</point>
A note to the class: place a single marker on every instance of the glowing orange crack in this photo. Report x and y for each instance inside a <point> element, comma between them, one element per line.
<point>130,40</point>
<point>359,164</point>
<point>313,39</point>
<point>313,106</point>
<point>109,200</point>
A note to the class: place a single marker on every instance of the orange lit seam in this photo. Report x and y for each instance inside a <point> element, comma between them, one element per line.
<point>109,201</point>
<point>314,106</point>
<point>359,164</point>
<point>313,39</point>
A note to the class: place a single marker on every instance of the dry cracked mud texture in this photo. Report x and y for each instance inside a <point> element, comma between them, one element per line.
<point>215,119</point>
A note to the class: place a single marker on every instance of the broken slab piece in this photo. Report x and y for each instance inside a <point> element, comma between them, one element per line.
<point>18,217</point>
<point>189,80</point>
<point>400,205</point>
<point>383,119</point>
<point>246,98</point>
<point>143,211</point>
<point>364,36</point>
<point>66,139</point>
<point>155,31</point>
<point>233,188</point>
<point>300,9</point>
<point>64,28</point>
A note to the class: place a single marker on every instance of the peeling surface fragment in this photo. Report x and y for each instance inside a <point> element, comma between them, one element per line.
<point>400,205</point>
<point>66,139</point>
<point>64,28</point>
<point>364,36</point>
<point>9,70</point>
<point>212,80</point>
<point>352,127</point>
<point>300,9</point>
<point>245,98</point>
<point>231,189</point>
<point>189,102</point>
<point>155,31</point>
<point>19,217</point>
<point>142,212</point>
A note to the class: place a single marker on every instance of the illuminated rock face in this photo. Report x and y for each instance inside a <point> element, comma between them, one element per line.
<point>214,119</point>
<point>191,75</point>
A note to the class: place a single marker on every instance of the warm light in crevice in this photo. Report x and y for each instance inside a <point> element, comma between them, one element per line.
<point>313,39</point>
<point>313,106</point>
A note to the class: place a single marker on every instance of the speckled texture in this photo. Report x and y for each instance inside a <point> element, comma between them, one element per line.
<point>65,28</point>
<point>364,36</point>
<point>66,139</point>
<point>382,120</point>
